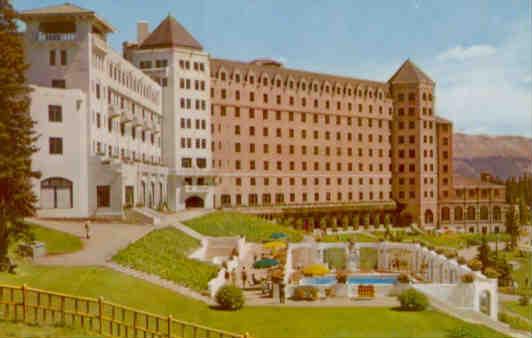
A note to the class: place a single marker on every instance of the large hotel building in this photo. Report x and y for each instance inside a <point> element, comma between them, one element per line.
<point>167,124</point>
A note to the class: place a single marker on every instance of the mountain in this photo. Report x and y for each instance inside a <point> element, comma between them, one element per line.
<point>502,156</point>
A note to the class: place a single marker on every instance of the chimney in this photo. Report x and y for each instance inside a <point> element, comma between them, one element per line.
<point>142,31</point>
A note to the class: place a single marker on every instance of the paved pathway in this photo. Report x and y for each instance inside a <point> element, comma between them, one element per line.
<point>105,241</point>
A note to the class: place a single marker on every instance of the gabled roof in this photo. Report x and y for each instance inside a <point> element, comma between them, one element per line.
<point>410,73</point>
<point>170,33</point>
<point>64,9</point>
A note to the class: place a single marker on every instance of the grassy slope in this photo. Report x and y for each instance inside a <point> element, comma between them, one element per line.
<point>259,321</point>
<point>525,311</point>
<point>164,252</point>
<point>57,242</point>
<point>221,223</point>
<point>11,329</point>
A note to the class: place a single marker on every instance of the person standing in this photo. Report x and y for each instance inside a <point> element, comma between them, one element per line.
<point>88,230</point>
<point>244,277</point>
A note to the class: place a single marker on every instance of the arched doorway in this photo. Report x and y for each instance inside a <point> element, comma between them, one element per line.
<point>485,302</point>
<point>56,193</point>
<point>194,202</point>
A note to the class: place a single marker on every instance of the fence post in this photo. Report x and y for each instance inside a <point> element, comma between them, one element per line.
<point>100,314</point>
<point>169,326</point>
<point>24,286</point>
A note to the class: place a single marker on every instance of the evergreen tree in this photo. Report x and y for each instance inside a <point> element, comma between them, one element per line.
<point>523,211</point>
<point>16,136</point>
<point>484,253</point>
<point>511,226</point>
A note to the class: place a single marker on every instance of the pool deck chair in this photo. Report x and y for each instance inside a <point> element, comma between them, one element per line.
<point>366,292</point>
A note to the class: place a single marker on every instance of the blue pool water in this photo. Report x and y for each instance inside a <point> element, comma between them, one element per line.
<point>355,279</point>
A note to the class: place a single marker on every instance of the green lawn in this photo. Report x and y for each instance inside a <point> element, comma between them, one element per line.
<point>165,253</point>
<point>259,321</point>
<point>525,311</point>
<point>12,329</point>
<point>57,242</point>
<point>357,237</point>
<point>255,229</point>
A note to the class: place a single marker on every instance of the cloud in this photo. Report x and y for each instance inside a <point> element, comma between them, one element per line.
<point>490,94</point>
<point>460,53</point>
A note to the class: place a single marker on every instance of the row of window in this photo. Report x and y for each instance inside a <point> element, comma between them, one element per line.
<point>125,103</point>
<point>54,53</point>
<point>146,64</point>
<point>325,118</point>
<point>197,66</point>
<point>327,135</point>
<point>186,103</point>
<point>186,143</point>
<point>302,85</point>
<point>304,150</point>
<point>252,181</point>
<point>279,198</point>
<point>412,97</point>
<point>471,213</point>
<point>126,154</point>
<point>187,123</point>
<point>186,162</point>
<point>412,111</point>
<point>128,76</point>
<point>186,84</point>
<point>316,166</point>
<point>291,101</point>
<point>131,131</point>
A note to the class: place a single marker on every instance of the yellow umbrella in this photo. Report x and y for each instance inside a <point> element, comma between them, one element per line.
<point>275,245</point>
<point>315,270</point>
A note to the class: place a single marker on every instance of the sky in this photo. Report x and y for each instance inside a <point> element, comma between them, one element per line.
<point>478,52</point>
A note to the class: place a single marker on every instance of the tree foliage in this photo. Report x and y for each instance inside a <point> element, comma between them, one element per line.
<point>16,135</point>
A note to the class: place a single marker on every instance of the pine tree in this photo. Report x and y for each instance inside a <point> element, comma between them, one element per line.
<point>523,211</point>
<point>17,137</point>
<point>511,226</point>
<point>484,253</point>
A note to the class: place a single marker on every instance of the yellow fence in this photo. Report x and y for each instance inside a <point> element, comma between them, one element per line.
<point>22,303</point>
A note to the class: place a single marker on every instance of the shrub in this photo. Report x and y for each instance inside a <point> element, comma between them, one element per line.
<point>463,332</point>
<point>449,253</point>
<point>461,260</point>
<point>403,278</point>
<point>491,273</point>
<point>230,297</point>
<point>524,300</point>
<point>475,264</point>
<point>234,252</point>
<point>306,292</point>
<point>315,270</point>
<point>468,278</point>
<point>341,276</point>
<point>439,251</point>
<point>412,300</point>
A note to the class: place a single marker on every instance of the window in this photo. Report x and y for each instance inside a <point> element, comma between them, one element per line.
<point>58,83</point>
<point>52,58</point>
<point>55,113</point>
<point>103,196</point>
<point>63,58</point>
<point>56,145</point>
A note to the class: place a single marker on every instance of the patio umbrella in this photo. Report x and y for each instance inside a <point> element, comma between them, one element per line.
<point>265,263</point>
<point>278,235</point>
<point>275,245</point>
<point>315,270</point>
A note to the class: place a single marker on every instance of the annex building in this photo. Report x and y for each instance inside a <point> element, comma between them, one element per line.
<point>165,123</point>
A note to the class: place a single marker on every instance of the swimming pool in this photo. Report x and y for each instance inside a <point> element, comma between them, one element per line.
<point>353,279</point>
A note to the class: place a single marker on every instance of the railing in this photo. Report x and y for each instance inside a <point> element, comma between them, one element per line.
<point>40,36</point>
<point>30,305</point>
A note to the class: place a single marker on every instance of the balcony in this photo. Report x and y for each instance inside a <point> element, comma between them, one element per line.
<point>198,188</point>
<point>126,116</point>
<point>41,36</point>
<point>114,110</point>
